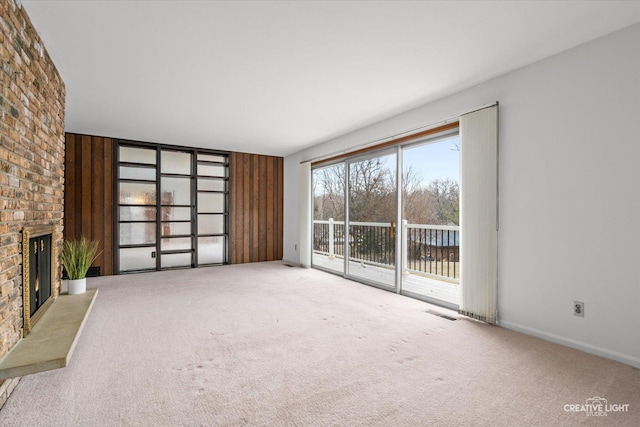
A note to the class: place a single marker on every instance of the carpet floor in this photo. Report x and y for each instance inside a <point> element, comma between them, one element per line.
<point>266,344</point>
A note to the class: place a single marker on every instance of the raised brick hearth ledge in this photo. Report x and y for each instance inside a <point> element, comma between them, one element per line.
<point>50,343</point>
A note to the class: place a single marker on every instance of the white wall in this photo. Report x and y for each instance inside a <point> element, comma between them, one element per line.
<point>569,191</point>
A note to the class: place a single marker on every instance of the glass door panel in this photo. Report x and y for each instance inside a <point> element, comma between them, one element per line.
<point>210,224</point>
<point>328,218</point>
<point>137,155</point>
<point>171,213</point>
<point>211,170</point>
<point>175,191</point>
<point>137,233</point>
<point>212,209</point>
<point>137,259</point>
<point>137,193</point>
<point>212,184</point>
<point>177,244</point>
<point>175,162</point>
<point>430,225</point>
<point>137,213</point>
<point>211,202</point>
<point>176,228</point>
<point>137,210</point>
<point>147,174</point>
<point>372,213</point>
<point>212,250</point>
<point>175,260</point>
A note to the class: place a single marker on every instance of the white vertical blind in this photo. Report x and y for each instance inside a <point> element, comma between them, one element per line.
<point>479,214</point>
<point>305,214</point>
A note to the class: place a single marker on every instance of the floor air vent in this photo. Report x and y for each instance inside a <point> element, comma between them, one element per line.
<point>444,316</point>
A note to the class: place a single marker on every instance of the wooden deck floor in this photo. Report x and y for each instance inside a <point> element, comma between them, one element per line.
<point>416,284</point>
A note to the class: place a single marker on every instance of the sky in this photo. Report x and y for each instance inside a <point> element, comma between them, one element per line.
<point>438,160</point>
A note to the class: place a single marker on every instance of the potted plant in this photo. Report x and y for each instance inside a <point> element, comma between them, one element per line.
<point>77,256</point>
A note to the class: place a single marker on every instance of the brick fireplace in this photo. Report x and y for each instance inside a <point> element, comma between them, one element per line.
<point>32,102</point>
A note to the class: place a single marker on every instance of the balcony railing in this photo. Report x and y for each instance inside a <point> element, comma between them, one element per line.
<point>432,250</point>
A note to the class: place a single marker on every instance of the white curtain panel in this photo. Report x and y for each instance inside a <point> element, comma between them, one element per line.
<point>305,214</point>
<point>479,214</point>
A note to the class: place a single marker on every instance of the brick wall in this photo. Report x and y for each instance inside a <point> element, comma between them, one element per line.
<point>32,100</point>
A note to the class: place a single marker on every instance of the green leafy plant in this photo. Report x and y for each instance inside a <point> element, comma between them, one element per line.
<point>78,255</point>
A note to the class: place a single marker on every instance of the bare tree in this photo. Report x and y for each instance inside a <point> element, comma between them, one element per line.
<point>372,191</point>
<point>446,205</point>
<point>328,191</point>
<point>372,194</point>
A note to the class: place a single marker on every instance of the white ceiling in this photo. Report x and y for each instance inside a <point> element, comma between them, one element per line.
<point>274,77</point>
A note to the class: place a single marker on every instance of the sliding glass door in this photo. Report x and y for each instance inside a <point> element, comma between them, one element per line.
<point>431,220</point>
<point>371,219</point>
<point>391,218</point>
<point>328,217</point>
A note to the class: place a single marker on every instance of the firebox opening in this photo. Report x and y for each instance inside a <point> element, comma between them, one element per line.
<point>39,265</point>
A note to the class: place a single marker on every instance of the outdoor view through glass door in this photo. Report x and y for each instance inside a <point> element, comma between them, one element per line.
<point>372,212</point>
<point>430,220</point>
<point>358,237</point>
<point>328,217</point>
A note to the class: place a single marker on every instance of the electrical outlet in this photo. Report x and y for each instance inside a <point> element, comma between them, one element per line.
<point>578,308</point>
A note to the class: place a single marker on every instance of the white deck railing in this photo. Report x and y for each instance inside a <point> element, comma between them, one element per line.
<point>426,248</point>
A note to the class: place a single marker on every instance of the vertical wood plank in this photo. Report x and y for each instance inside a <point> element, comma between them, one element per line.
<point>235,213</point>
<point>89,193</point>
<point>86,186</point>
<point>246,194</point>
<point>69,186</point>
<point>279,202</point>
<point>97,191</point>
<point>108,206</point>
<point>262,211</point>
<point>77,232</point>
<point>269,209</point>
<point>255,209</point>
<point>256,188</point>
<point>241,209</point>
<point>239,212</point>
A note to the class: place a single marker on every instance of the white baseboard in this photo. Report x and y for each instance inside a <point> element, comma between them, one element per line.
<point>578,345</point>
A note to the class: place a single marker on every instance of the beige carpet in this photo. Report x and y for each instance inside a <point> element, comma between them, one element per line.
<point>265,344</point>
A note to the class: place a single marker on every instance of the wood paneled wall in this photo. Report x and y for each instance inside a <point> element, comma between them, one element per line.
<point>88,195</point>
<point>256,194</point>
<point>256,207</point>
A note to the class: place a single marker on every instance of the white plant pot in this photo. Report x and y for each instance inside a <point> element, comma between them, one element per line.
<point>78,286</point>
